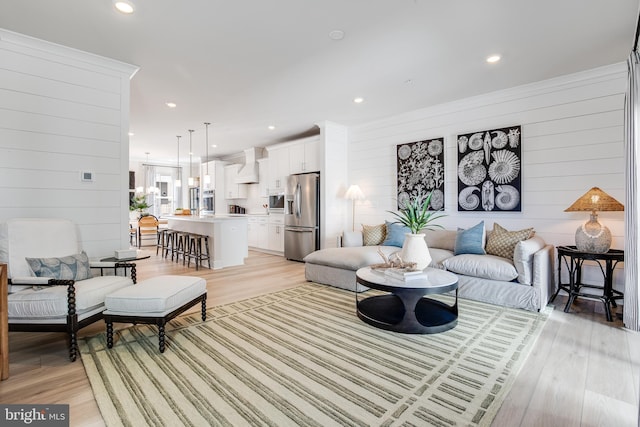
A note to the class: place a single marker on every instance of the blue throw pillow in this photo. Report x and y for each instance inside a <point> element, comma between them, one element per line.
<point>471,240</point>
<point>72,267</point>
<point>395,234</point>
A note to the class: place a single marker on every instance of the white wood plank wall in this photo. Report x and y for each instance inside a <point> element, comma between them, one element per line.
<point>62,112</point>
<point>572,140</point>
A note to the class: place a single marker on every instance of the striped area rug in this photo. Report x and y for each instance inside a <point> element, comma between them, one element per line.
<point>301,357</point>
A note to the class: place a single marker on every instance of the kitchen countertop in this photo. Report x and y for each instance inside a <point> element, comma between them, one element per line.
<point>209,218</point>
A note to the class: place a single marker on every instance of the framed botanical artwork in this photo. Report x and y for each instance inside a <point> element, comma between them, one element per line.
<point>489,170</point>
<point>421,171</point>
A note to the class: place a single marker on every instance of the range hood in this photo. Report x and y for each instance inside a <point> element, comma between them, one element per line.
<point>248,173</point>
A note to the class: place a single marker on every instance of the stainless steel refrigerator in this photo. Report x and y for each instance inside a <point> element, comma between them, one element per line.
<point>301,215</point>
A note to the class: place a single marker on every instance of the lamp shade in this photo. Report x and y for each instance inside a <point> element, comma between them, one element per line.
<point>354,193</point>
<point>595,200</point>
<point>593,237</point>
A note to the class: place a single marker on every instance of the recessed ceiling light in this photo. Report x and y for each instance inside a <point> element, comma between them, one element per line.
<point>214,146</point>
<point>124,6</point>
<point>493,58</point>
<point>271,127</point>
<point>336,35</point>
<point>358,100</point>
<point>131,133</point>
<point>171,104</point>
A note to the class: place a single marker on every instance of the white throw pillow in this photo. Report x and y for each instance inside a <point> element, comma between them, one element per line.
<point>351,238</point>
<point>484,266</point>
<point>523,258</point>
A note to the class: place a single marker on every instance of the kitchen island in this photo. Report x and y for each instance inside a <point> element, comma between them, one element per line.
<point>227,236</point>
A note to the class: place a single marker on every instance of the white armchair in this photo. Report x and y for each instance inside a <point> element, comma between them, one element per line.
<point>61,295</point>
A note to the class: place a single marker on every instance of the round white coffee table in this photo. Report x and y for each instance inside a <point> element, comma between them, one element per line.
<point>405,308</point>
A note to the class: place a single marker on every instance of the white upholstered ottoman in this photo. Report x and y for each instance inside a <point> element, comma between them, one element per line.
<point>154,301</point>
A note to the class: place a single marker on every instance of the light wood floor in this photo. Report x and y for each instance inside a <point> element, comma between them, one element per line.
<point>583,371</point>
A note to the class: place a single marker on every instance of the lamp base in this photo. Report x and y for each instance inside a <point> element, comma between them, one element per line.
<point>593,237</point>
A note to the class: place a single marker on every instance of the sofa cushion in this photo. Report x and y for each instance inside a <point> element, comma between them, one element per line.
<point>373,235</point>
<point>395,234</point>
<point>51,301</point>
<point>441,239</point>
<point>485,266</point>
<point>72,267</point>
<point>438,256</point>
<point>471,240</point>
<point>157,295</point>
<point>349,258</point>
<point>523,258</point>
<point>502,242</point>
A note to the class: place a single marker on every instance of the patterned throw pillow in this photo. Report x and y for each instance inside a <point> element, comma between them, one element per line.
<point>72,267</point>
<point>373,235</point>
<point>502,242</point>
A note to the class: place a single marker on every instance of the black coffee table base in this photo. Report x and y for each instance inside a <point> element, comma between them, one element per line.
<point>408,312</point>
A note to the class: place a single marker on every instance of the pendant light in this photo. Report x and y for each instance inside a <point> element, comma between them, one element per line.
<point>178,182</point>
<point>191,180</point>
<point>207,177</point>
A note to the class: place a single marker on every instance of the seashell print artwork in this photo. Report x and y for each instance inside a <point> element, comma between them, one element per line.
<point>420,171</point>
<point>462,143</point>
<point>514,137</point>
<point>489,170</point>
<point>508,197</point>
<point>475,141</point>
<point>471,171</point>
<point>500,140</point>
<point>487,196</point>
<point>467,200</point>
<point>505,166</point>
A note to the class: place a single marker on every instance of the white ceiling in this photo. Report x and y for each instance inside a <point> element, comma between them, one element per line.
<point>247,64</point>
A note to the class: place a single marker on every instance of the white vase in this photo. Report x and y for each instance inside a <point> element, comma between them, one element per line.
<point>414,249</point>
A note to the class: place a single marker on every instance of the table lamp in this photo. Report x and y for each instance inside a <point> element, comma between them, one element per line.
<point>354,193</point>
<point>593,237</point>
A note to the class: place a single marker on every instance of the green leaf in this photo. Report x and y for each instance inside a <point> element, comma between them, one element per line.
<point>416,215</point>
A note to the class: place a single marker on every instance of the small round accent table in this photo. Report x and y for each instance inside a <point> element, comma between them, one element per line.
<point>573,259</point>
<point>405,308</point>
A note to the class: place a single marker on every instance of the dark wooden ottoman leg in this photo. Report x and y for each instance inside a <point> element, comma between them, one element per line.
<point>109,334</point>
<point>204,308</point>
<point>161,337</point>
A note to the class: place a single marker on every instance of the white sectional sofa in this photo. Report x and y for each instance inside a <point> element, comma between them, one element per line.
<point>525,282</point>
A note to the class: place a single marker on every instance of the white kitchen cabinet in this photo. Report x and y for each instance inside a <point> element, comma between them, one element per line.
<point>232,190</point>
<point>252,232</point>
<point>304,156</point>
<point>278,169</point>
<point>258,232</point>
<point>263,234</point>
<point>276,233</point>
<point>263,177</point>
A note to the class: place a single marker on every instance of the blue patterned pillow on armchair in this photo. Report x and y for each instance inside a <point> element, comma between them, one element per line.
<point>72,267</point>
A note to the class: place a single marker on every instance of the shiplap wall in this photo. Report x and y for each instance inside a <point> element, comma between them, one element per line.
<point>62,112</point>
<point>572,140</point>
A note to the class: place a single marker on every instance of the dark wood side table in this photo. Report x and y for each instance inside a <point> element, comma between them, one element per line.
<point>573,259</point>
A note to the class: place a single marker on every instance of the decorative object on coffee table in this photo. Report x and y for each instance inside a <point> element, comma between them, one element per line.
<point>415,215</point>
<point>593,237</point>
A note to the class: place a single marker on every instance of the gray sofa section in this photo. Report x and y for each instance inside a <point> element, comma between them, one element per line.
<point>531,289</point>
